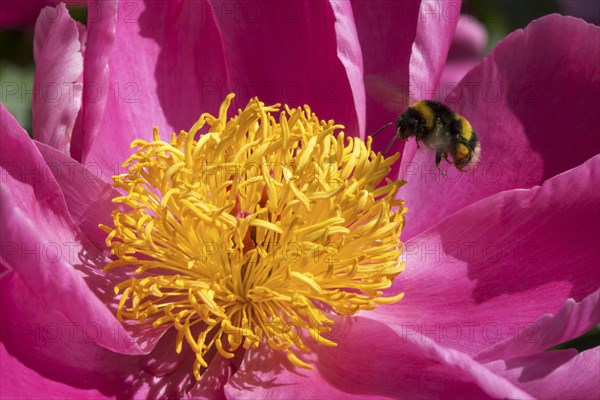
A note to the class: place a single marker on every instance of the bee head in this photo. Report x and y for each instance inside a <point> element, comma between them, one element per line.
<point>408,125</point>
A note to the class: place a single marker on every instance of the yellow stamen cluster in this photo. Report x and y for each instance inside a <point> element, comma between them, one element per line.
<point>255,231</point>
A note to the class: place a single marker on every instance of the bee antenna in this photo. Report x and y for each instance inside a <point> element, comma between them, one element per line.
<point>389,146</point>
<point>382,128</point>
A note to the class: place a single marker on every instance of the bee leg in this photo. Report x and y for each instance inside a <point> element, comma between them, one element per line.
<point>438,160</point>
<point>417,142</point>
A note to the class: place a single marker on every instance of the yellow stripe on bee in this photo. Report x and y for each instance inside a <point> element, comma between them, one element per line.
<point>426,112</point>
<point>461,151</point>
<point>466,130</point>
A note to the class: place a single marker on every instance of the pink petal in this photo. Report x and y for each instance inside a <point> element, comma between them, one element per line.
<point>41,342</point>
<point>102,17</point>
<point>386,30</point>
<point>404,46</point>
<point>87,193</point>
<point>435,31</point>
<point>162,69</point>
<point>571,321</point>
<point>171,39</point>
<point>59,64</point>
<point>350,54</point>
<point>454,71</point>
<point>88,199</point>
<point>487,272</point>
<point>522,132</point>
<point>555,374</point>
<point>173,372</point>
<point>26,383</point>
<point>46,342</point>
<point>370,361</point>
<point>470,39</point>
<point>40,242</point>
<point>466,52</point>
<point>296,53</point>
<point>212,382</point>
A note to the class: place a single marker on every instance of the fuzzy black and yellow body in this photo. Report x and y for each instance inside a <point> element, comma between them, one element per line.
<point>438,127</point>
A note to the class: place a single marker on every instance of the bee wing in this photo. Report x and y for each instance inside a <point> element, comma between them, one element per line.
<point>388,93</point>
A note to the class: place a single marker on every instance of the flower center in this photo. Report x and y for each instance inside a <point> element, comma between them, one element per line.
<point>252,233</point>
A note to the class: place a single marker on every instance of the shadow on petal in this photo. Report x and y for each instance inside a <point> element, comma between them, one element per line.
<point>546,363</point>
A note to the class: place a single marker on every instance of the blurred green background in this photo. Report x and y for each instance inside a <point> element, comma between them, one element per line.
<point>499,17</point>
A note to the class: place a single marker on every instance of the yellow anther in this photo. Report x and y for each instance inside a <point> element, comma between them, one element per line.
<point>254,233</point>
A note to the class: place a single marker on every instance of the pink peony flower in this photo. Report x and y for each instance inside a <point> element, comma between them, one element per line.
<point>501,262</point>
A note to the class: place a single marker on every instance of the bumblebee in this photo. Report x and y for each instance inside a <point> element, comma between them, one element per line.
<point>447,133</point>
